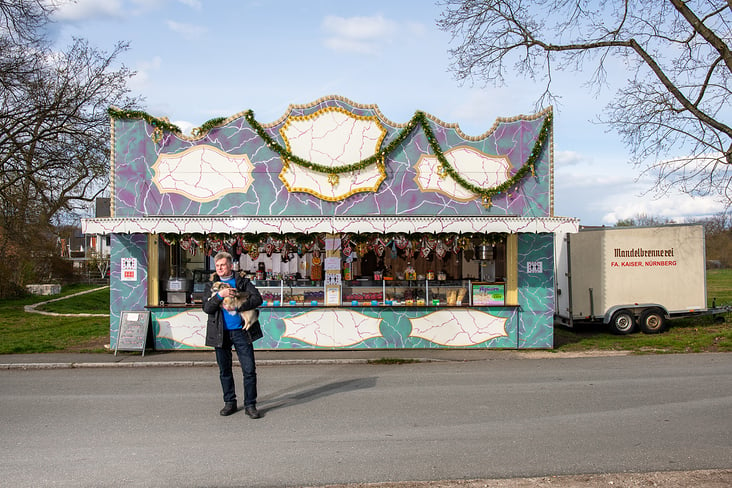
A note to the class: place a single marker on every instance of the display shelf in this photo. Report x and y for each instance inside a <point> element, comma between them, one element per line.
<point>291,293</point>
<point>443,293</point>
<point>407,292</point>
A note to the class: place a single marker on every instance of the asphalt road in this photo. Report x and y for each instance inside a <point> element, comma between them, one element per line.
<point>357,423</point>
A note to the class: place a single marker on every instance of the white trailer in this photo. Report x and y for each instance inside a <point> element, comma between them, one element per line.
<point>629,277</point>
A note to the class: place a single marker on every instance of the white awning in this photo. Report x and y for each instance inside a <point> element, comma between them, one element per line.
<point>334,225</point>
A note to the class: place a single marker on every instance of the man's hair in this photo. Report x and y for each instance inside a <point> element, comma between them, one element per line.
<point>223,255</point>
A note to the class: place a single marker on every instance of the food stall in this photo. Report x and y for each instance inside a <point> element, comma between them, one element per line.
<point>359,232</point>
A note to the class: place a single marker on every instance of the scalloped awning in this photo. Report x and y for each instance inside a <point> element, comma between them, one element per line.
<point>334,225</point>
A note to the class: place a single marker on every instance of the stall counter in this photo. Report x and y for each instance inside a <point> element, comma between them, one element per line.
<point>353,327</point>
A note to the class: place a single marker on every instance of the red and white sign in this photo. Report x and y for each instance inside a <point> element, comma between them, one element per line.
<point>129,269</point>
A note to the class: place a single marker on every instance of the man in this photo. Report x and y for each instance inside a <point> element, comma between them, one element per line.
<point>224,329</point>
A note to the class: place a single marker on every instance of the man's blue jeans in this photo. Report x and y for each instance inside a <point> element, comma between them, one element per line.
<point>245,351</point>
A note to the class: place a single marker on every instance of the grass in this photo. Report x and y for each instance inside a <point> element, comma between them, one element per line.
<point>719,286</point>
<point>92,302</point>
<point>22,332</point>
<point>392,361</point>
<point>691,334</point>
<point>699,334</point>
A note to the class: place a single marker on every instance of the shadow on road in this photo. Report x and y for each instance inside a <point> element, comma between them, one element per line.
<point>287,398</point>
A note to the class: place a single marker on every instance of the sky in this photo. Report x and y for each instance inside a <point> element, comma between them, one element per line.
<point>200,59</point>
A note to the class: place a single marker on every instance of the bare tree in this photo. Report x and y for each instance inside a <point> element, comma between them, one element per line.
<point>674,112</point>
<point>54,130</point>
<point>643,220</point>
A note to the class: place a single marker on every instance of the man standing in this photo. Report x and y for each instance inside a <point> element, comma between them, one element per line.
<point>224,328</point>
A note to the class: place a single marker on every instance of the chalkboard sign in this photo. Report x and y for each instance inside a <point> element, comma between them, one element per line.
<point>132,333</point>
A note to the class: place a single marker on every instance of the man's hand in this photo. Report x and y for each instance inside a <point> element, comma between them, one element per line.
<point>227,292</point>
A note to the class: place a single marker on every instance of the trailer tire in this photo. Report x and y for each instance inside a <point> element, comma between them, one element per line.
<point>623,322</point>
<point>652,321</point>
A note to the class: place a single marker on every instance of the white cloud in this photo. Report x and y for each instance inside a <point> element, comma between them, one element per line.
<point>196,4</point>
<point>477,108</point>
<point>604,193</point>
<point>677,207</point>
<point>143,70</point>
<point>80,10</point>
<point>185,126</point>
<point>568,158</point>
<point>363,35</point>
<point>359,27</point>
<point>590,180</point>
<point>188,31</point>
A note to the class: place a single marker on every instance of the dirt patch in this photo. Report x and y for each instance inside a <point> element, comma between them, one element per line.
<point>675,479</point>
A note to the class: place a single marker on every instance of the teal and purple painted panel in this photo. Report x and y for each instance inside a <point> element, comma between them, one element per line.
<point>136,194</point>
<point>353,328</point>
<point>536,290</point>
<point>126,294</point>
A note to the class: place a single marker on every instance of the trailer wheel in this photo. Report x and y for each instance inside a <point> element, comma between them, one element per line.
<point>623,322</point>
<point>652,321</point>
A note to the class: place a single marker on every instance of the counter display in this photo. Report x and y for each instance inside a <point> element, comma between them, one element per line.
<point>291,293</point>
<point>407,292</point>
<point>365,293</point>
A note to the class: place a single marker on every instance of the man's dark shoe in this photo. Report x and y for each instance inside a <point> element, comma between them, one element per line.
<point>252,412</point>
<point>229,408</point>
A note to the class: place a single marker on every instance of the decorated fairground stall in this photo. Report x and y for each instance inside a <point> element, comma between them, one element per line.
<point>360,232</point>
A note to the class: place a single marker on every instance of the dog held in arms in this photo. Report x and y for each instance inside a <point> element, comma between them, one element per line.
<point>231,304</point>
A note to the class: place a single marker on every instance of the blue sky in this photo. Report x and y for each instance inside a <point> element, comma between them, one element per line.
<point>200,59</point>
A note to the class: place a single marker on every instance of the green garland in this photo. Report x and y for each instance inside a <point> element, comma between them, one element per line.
<point>377,158</point>
<point>419,119</point>
<point>138,114</point>
<point>207,126</point>
<point>488,193</point>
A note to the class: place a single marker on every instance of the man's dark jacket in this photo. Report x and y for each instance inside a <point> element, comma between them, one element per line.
<point>212,306</point>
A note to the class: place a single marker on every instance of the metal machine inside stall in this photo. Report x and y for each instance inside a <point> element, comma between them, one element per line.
<point>486,256</point>
<point>178,286</point>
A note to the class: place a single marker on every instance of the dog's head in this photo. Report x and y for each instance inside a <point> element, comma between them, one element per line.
<point>218,285</point>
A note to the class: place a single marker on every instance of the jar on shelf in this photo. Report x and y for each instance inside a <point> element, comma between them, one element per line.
<point>410,273</point>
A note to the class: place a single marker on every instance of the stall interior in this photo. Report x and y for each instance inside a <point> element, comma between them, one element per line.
<point>372,269</point>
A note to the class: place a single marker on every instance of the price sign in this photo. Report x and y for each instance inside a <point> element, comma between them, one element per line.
<point>132,333</point>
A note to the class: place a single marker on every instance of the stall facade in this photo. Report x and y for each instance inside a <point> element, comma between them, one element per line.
<point>360,232</point>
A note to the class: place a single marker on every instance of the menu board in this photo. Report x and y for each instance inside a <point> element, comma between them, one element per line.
<point>132,333</point>
<point>489,294</point>
<point>332,295</point>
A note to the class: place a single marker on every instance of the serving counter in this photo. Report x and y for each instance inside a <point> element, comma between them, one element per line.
<point>358,327</point>
<point>371,314</point>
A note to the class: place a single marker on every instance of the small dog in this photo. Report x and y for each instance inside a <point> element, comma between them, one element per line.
<point>248,317</point>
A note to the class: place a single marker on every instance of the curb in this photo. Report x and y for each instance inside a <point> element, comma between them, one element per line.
<point>26,366</point>
<point>191,364</point>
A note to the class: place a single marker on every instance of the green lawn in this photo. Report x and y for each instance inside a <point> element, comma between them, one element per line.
<point>719,286</point>
<point>22,332</point>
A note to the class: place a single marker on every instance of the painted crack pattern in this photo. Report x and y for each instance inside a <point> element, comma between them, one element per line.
<point>536,290</point>
<point>358,328</point>
<point>135,153</point>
